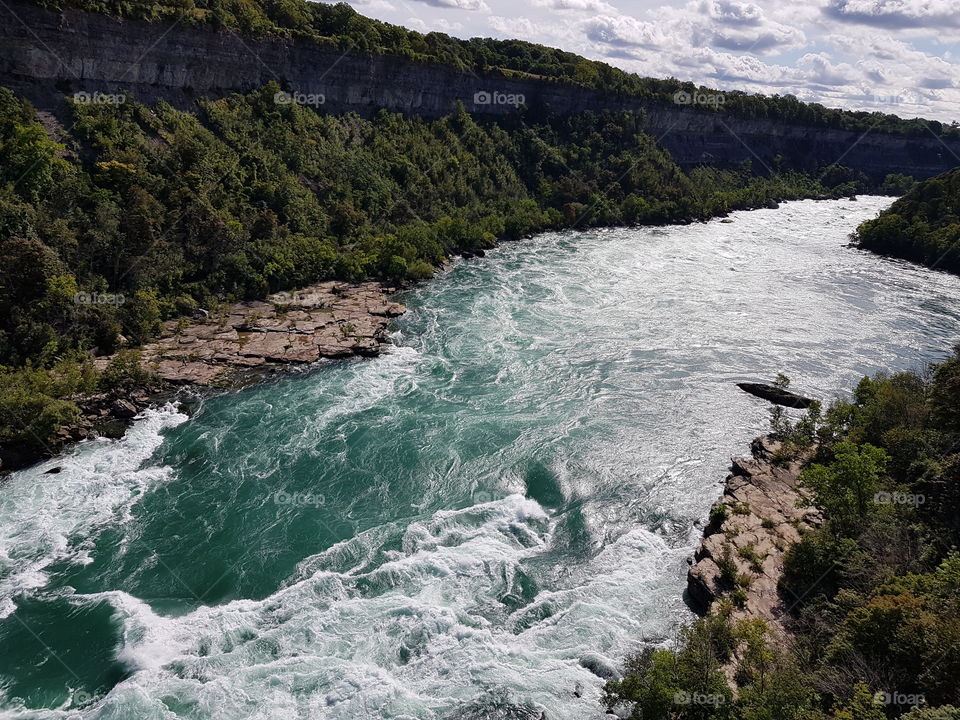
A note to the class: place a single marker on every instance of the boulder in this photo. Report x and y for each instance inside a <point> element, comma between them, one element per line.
<point>123,409</point>
<point>776,395</point>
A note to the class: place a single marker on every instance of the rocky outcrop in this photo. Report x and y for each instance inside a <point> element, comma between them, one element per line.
<point>776,395</point>
<point>761,514</point>
<point>328,320</point>
<point>47,55</point>
<point>104,414</point>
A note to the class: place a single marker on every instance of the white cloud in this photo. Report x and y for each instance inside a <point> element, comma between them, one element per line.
<point>370,6</point>
<point>896,14</point>
<point>591,6</point>
<point>438,25</point>
<point>472,5</point>
<point>624,31</point>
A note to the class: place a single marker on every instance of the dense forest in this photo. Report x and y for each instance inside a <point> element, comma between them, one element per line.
<point>923,226</point>
<point>877,622</point>
<point>341,25</point>
<point>154,213</point>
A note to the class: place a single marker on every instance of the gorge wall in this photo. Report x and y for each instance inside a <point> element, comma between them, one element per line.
<point>46,55</point>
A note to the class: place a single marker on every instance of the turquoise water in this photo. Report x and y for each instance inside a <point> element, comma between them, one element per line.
<point>478,523</point>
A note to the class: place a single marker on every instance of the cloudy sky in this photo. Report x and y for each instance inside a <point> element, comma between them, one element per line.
<point>899,56</point>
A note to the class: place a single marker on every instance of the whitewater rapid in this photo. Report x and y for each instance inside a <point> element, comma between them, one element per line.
<point>481,523</point>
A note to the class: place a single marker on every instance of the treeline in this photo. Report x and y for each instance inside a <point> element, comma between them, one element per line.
<point>923,226</point>
<point>875,591</point>
<point>341,25</point>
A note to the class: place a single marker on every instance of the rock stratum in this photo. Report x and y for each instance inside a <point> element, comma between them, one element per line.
<point>330,320</point>
<point>761,514</point>
<point>47,55</point>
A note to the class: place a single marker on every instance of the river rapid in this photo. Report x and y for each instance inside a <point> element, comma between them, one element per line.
<point>477,524</point>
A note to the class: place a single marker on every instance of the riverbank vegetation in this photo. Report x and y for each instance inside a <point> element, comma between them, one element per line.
<point>874,593</point>
<point>140,214</point>
<point>340,25</point>
<point>922,226</point>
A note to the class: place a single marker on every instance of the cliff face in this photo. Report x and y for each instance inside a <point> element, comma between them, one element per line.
<point>762,513</point>
<point>46,55</point>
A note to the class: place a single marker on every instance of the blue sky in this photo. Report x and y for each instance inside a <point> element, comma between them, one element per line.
<point>899,56</point>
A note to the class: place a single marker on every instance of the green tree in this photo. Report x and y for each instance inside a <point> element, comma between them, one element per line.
<point>846,487</point>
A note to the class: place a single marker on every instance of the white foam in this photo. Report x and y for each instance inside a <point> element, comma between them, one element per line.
<point>47,518</point>
<point>412,637</point>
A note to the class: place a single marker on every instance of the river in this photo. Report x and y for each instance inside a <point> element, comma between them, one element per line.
<point>477,523</point>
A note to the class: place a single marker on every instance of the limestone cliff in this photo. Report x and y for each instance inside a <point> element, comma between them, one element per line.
<point>46,55</point>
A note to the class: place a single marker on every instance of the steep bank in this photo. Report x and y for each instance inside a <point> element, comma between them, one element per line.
<point>761,514</point>
<point>144,214</point>
<point>47,54</point>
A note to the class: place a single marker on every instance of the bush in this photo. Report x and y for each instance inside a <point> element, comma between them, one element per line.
<point>420,270</point>
<point>125,370</point>
<point>718,514</point>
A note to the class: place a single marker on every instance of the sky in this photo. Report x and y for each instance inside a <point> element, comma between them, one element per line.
<point>896,56</point>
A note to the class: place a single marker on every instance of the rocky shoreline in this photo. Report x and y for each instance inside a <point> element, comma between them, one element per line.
<point>230,347</point>
<point>330,320</point>
<point>762,512</point>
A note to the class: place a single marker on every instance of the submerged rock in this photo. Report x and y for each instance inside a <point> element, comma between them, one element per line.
<point>600,666</point>
<point>776,395</point>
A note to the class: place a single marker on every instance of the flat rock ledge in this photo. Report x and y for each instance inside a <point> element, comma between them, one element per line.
<point>763,513</point>
<point>327,320</point>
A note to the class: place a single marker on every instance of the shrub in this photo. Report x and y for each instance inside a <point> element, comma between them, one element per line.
<point>718,514</point>
<point>728,568</point>
<point>124,370</point>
